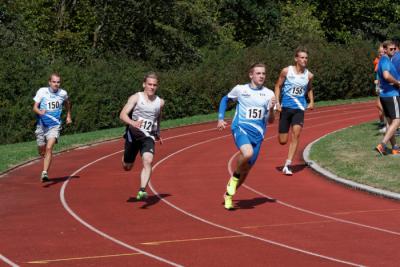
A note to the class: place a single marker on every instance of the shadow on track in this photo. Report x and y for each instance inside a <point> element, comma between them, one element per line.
<point>150,201</point>
<point>56,180</point>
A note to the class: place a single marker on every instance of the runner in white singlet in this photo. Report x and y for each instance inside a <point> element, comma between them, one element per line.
<point>142,115</point>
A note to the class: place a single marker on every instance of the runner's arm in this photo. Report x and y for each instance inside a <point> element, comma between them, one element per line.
<point>310,92</point>
<point>278,87</point>
<point>129,106</point>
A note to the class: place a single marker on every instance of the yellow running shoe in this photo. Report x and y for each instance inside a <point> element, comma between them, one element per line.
<point>228,202</point>
<point>231,186</point>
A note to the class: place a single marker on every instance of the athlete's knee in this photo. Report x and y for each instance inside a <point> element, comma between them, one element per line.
<point>147,160</point>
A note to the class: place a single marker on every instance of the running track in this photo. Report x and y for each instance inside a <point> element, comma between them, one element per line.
<point>87,215</point>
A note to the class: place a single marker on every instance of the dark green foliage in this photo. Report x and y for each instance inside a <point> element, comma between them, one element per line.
<point>201,48</point>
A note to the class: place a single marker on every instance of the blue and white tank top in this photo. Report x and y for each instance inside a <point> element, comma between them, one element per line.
<point>294,89</point>
<point>252,109</point>
<point>52,102</point>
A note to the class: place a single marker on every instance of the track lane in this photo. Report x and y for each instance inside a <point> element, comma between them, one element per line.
<point>99,195</point>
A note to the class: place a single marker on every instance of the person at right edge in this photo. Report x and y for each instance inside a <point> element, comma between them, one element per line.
<point>389,97</point>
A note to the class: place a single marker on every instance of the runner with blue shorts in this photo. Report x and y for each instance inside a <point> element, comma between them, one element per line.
<point>253,111</point>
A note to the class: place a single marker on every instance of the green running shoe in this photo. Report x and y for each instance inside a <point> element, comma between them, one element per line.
<point>141,195</point>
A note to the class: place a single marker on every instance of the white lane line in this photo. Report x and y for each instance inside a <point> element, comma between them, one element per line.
<point>92,228</point>
<point>305,210</point>
<point>9,262</point>
<point>231,229</point>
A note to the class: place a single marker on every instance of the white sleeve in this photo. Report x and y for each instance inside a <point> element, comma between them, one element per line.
<point>39,95</point>
<point>234,93</point>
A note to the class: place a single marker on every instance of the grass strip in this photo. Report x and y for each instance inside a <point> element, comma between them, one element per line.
<point>14,154</point>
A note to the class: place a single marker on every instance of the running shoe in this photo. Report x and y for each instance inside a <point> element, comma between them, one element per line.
<point>231,186</point>
<point>44,177</point>
<point>381,149</point>
<point>382,130</point>
<point>287,170</point>
<point>141,195</point>
<point>396,150</point>
<point>228,204</point>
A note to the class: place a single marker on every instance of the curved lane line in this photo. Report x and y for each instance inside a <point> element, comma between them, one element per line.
<point>92,228</point>
<point>231,229</point>
<point>305,210</point>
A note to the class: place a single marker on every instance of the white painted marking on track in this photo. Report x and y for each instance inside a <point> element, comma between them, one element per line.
<point>309,211</point>
<point>92,228</point>
<point>9,262</point>
<point>231,229</point>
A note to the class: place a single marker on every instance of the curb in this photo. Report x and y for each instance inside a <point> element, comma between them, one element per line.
<point>317,168</point>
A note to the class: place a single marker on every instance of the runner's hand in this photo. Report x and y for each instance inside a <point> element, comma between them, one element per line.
<point>221,125</point>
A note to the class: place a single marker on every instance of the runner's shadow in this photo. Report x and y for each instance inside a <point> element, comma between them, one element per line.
<point>295,168</point>
<point>251,203</point>
<point>149,201</point>
<point>56,180</point>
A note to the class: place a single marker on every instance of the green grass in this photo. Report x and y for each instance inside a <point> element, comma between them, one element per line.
<point>14,154</point>
<point>350,154</point>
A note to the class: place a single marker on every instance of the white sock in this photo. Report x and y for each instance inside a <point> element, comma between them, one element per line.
<point>288,162</point>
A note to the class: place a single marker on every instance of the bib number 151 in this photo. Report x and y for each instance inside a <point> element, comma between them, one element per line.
<point>254,113</point>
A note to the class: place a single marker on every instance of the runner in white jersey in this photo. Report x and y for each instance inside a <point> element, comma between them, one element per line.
<point>293,84</point>
<point>142,114</point>
<point>48,107</point>
<point>253,111</point>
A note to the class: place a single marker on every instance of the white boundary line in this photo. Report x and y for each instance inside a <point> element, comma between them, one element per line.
<point>309,211</point>
<point>9,262</point>
<point>231,229</point>
<point>94,229</point>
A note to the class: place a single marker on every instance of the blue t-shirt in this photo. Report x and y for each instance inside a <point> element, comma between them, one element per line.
<point>388,90</point>
<point>396,61</point>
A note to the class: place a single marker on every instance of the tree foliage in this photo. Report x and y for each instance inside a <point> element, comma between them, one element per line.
<point>201,48</point>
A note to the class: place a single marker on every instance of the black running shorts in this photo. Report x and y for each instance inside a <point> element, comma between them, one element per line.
<point>134,146</point>
<point>391,106</point>
<point>289,117</point>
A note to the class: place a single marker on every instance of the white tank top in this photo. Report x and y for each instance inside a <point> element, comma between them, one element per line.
<point>148,112</point>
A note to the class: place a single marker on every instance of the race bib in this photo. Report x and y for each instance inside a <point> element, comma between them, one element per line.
<point>297,91</point>
<point>254,113</point>
<point>52,105</point>
<point>146,125</point>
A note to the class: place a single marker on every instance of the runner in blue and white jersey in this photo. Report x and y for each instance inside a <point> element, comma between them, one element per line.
<point>253,111</point>
<point>48,105</point>
<point>293,84</point>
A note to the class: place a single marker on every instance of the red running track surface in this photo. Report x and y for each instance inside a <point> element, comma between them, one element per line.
<point>87,215</point>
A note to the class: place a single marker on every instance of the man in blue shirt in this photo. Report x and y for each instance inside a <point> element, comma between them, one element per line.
<point>255,107</point>
<point>389,97</point>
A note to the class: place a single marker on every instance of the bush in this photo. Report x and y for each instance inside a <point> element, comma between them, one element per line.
<point>100,88</point>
